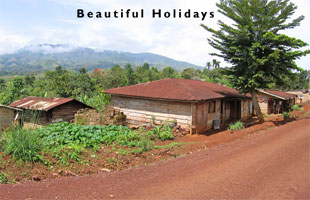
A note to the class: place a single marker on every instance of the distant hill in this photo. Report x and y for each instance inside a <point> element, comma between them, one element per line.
<point>36,58</point>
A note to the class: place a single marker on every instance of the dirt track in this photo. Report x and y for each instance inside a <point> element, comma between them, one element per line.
<point>271,165</point>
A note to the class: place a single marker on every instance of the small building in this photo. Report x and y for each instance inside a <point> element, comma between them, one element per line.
<point>196,106</point>
<point>43,111</point>
<point>9,117</point>
<point>302,95</point>
<point>274,101</point>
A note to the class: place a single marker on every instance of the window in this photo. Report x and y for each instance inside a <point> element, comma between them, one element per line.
<point>212,107</point>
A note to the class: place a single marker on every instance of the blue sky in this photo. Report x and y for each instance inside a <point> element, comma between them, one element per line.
<point>26,22</point>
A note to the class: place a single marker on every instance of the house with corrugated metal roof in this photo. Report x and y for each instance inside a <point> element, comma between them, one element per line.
<point>275,101</point>
<point>9,117</point>
<point>197,106</point>
<point>43,111</point>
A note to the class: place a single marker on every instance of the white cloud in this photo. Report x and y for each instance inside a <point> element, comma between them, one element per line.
<point>9,43</point>
<point>181,39</point>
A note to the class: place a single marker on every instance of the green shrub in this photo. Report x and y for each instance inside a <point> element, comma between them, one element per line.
<point>236,126</point>
<point>286,115</point>
<point>65,133</point>
<point>145,143</point>
<point>3,178</point>
<point>2,142</point>
<point>295,107</point>
<point>23,145</point>
<point>301,109</point>
<point>68,153</point>
<point>163,133</point>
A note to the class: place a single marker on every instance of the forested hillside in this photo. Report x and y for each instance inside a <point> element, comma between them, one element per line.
<point>40,58</point>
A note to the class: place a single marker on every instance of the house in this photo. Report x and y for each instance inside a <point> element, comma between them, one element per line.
<point>9,116</point>
<point>274,101</point>
<point>43,111</point>
<point>302,95</point>
<point>196,106</point>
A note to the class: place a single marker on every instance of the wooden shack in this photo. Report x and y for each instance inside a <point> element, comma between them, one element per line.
<point>43,111</point>
<point>9,117</point>
<point>197,106</point>
<point>275,102</point>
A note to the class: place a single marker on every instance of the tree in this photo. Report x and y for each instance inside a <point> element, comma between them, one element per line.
<point>208,65</point>
<point>253,44</point>
<point>14,90</point>
<point>130,75</point>
<point>168,72</point>
<point>215,64</point>
<point>2,84</point>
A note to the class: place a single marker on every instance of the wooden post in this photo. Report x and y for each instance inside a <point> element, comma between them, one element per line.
<point>224,107</point>
<point>235,115</point>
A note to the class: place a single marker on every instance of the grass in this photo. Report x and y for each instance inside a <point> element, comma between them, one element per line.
<point>236,126</point>
<point>23,145</point>
<point>4,178</point>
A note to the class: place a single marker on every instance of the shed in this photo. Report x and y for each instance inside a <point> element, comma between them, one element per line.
<point>43,111</point>
<point>9,116</point>
<point>194,105</point>
<point>275,101</point>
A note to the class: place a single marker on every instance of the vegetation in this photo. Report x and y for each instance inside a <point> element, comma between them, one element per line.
<point>65,141</point>
<point>259,53</point>
<point>23,145</point>
<point>236,126</point>
<point>286,115</point>
<point>89,87</point>
<point>295,107</point>
<point>27,61</point>
<point>3,178</point>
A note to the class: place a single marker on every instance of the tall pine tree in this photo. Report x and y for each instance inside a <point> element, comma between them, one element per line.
<point>253,44</point>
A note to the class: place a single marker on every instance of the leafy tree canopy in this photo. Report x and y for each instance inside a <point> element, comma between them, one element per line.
<point>260,55</point>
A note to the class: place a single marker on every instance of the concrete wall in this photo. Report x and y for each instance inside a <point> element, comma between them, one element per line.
<point>264,104</point>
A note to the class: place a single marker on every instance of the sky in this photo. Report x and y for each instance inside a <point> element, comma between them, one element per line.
<point>31,22</point>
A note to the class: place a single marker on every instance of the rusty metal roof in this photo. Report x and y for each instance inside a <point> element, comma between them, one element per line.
<point>9,107</point>
<point>41,103</point>
<point>279,94</point>
<point>176,89</point>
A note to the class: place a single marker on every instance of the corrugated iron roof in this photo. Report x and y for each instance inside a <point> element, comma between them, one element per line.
<point>9,107</point>
<point>281,94</point>
<point>176,89</point>
<point>41,103</point>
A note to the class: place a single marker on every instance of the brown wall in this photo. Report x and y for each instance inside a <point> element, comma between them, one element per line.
<point>6,118</point>
<point>194,116</point>
<point>65,112</point>
<point>141,112</point>
<point>267,106</point>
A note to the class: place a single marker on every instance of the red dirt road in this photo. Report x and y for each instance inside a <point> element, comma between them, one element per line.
<point>274,164</point>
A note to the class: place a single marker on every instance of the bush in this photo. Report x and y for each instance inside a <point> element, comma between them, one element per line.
<point>68,153</point>
<point>23,145</point>
<point>236,126</point>
<point>295,107</point>
<point>286,115</point>
<point>2,142</point>
<point>3,178</point>
<point>301,109</point>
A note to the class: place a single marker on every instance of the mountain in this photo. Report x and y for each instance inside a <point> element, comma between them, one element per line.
<point>42,57</point>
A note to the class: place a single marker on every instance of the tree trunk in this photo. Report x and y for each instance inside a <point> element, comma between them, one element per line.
<point>256,107</point>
